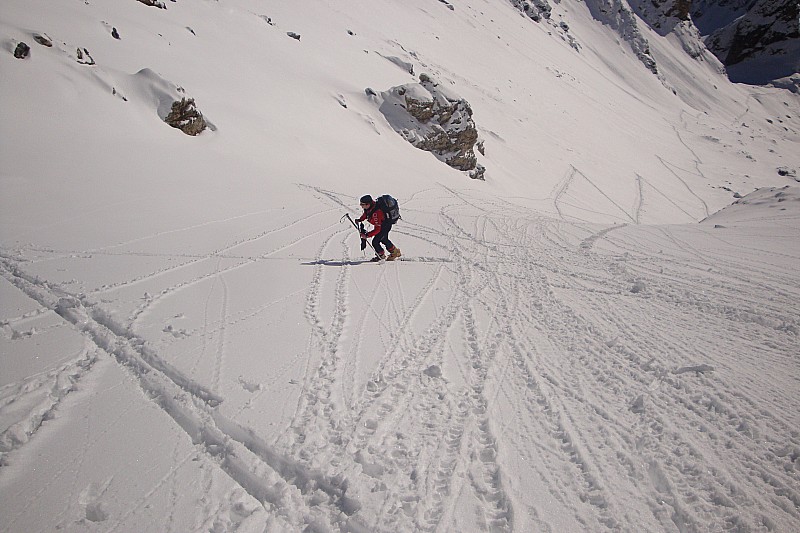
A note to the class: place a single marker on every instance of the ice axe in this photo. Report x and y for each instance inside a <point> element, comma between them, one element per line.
<point>360,231</point>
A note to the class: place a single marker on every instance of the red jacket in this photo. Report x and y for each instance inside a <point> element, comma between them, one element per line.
<point>374,217</point>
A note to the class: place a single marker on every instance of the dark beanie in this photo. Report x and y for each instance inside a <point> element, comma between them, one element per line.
<point>366,199</point>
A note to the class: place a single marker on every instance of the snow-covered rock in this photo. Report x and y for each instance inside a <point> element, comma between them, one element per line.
<point>435,119</point>
<point>535,9</point>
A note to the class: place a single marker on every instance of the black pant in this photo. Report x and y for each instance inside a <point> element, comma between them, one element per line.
<point>383,238</point>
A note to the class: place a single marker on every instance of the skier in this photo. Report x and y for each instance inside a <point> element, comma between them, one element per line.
<point>381,226</point>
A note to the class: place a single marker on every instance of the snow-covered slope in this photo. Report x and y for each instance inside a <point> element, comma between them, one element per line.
<point>191,343</point>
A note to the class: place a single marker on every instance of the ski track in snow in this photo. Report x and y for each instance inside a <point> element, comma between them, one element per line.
<point>540,336</point>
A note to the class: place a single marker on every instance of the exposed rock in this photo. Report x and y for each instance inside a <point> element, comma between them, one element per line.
<point>293,35</point>
<point>478,173</point>
<point>154,3</point>
<point>536,10</point>
<point>84,57</point>
<point>788,172</point>
<point>43,40</point>
<point>22,51</point>
<point>186,117</point>
<point>435,120</point>
<point>115,33</point>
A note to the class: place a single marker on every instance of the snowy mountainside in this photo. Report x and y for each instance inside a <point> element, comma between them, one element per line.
<point>191,340</point>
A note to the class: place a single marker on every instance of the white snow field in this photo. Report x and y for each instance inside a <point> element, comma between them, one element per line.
<point>584,341</point>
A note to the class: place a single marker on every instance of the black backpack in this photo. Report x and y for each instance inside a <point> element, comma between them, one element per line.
<point>389,206</point>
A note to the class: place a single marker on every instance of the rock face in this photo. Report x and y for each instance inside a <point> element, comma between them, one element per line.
<point>435,120</point>
<point>711,15</point>
<point>761,45</point>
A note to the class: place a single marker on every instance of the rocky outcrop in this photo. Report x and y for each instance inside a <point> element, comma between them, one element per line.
<point>434,119</point>
<point>186,117</point>
<point>617,15</point>
<point>154,3</point>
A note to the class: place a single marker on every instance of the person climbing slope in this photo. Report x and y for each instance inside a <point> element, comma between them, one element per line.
<point>381,226</point>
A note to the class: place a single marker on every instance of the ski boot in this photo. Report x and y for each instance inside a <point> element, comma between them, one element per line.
<point>394,254</point>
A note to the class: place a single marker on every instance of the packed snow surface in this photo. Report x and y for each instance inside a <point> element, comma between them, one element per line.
<point>602,336</point>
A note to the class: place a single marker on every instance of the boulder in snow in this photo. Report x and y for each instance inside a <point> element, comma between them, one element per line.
<point>186,117</point>
<point>22,51</point>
